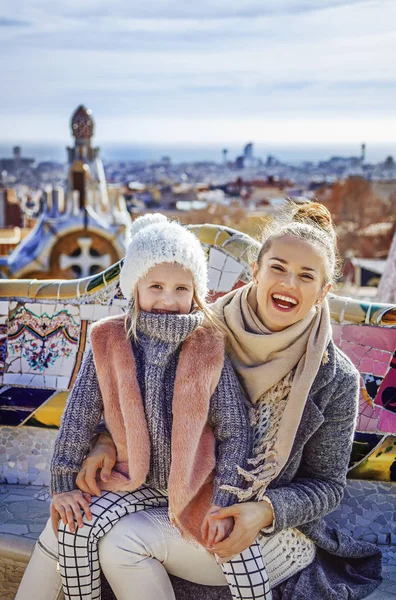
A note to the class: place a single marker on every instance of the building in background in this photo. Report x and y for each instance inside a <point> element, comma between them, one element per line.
<point>82,229</point>
<point>17,163</point>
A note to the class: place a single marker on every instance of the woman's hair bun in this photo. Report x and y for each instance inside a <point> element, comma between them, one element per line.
<point>314,213</point>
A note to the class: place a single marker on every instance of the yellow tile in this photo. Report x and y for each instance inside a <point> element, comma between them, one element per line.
<point>376,466</point>
<point>207,234</point>
<point>50,413</point>
<point>367,397</point>
<point>222,237</point>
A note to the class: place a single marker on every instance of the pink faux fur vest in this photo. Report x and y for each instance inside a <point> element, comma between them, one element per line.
<point>192,446</point>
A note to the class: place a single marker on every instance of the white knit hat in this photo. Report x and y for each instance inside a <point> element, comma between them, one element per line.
<point>155,240</point>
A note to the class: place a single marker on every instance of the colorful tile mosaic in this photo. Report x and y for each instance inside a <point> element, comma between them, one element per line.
<point>42,345</point>
<point>49,414</point>
<point>368,417</point>
<point>230,254</point>
<point>387,393</point>
<point>42,342</point>
<point>82,348</point>
<point>371,351</point>
<point>363,445</point>
<point>17,404</point>
<point>379,463</point>
<point>381,338</point>
<point>3,346</point>
<point>103,288</point>
<point>3,335</point>
<point>371,386</point>
<point>353,311</point>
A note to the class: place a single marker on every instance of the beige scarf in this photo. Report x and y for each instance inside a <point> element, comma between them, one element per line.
<point>263,358</point>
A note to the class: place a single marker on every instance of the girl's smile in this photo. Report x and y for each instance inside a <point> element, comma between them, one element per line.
<point>167,288</point>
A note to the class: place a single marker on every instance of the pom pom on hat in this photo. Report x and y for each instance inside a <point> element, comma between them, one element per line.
<point>146,221</point>
<point>156,240</point>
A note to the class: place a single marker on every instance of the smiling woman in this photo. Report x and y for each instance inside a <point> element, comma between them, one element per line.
<point>296,266</point>
<point>289,289</point>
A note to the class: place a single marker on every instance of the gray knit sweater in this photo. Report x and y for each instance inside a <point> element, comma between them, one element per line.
<point>156,352</point>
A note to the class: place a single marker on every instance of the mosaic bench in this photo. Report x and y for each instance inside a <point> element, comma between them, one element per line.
<point>44,334</point>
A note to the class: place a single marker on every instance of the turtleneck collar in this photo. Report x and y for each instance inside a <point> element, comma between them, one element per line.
<point>168,328</point>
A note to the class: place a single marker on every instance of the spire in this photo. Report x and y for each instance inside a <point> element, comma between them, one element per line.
<point>82,123</point>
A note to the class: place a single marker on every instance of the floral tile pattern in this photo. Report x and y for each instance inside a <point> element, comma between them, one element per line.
<point>42,342</point>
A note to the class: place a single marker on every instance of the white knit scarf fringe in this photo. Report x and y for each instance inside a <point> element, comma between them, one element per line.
<point>263,460</point>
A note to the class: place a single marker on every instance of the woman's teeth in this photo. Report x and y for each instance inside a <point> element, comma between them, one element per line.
<point>284,301</point>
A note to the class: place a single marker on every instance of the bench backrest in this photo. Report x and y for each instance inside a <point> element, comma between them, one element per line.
<point>44,333</point>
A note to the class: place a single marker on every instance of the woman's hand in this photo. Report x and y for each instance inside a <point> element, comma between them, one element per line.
<point>215,530</point>
<point>102,458</point>
<point>249,519</point>
<point>68,506</point>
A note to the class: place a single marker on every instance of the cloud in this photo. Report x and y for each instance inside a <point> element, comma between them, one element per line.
<point>204,10</point>
<point>298,57</point>
<point>4,22</point>
<point>175,10</point>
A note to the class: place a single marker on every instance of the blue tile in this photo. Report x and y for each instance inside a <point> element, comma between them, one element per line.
<point>16,404</point>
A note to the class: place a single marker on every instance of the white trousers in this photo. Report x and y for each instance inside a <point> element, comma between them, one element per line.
<point>41,579</point>
<point>136,557</point>
<point>80,565</point>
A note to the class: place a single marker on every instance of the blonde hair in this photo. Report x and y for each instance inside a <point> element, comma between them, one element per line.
<point>132,315</point>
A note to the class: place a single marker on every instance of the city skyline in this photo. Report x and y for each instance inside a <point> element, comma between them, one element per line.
<point>290,71</point>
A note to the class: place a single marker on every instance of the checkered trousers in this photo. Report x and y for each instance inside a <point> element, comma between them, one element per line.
<point>79,558</point>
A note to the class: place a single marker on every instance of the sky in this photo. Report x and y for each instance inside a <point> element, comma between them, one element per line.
<point>213,71</point>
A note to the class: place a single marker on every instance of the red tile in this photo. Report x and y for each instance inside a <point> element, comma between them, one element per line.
<point>382,338</point>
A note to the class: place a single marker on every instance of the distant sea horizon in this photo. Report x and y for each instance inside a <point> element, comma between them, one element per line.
<point>289,153</point>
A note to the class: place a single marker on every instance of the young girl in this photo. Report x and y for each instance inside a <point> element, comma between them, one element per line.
<point>173,406</point>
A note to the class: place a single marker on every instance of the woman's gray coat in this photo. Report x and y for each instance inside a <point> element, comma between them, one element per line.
<point>309,487</point>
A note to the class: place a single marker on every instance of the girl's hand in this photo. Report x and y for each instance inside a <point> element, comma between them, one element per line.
<point>68,506</point>
<point>249,518</point>
<point>215,530</point>
<point>102,458</point>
